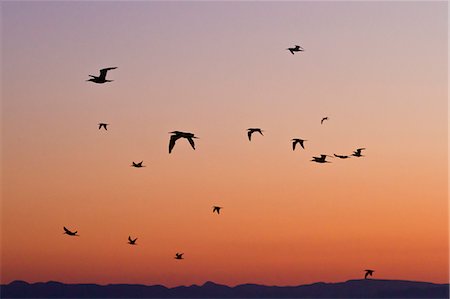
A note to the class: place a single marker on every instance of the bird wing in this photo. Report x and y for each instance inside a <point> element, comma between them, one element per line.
<point>260,132</point>
<point>249,134</point>
<point>365,276</point>
<point>66,230</point>
<point>294,143</point>
<point>191,141</point>
<point>129,239</point>
<point>99,126</point>
<point>173,138</point>
<point>104,71</point>
<point>301,143</point>
<point>292,52</point>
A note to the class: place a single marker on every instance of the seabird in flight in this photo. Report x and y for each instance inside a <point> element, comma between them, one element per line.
<point>297,140</point>
<point>253,130</point>
<point>102,78</point>
<point>177,135</point>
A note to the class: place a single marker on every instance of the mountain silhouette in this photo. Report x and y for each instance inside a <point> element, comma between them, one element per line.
<point>361,288</point>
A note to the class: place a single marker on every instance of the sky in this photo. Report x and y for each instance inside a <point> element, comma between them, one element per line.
<point>377,70</point>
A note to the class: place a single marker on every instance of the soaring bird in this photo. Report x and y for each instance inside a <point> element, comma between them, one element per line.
<point>325,118</point>
<point>368,272</point>
<point>177,135</point>
<point>70,233</point>
<point>102,78</point>
<point>131,241</point>
<point>295,141</point>
<point>137,164</point>
<point>320,159</point>
<point>253,130</point>
<point>102,125</point>
<point>341,156</point>
<point>357,153</point>
<point>179,256</point>
<point>216,209</point>
<point>295,49</point>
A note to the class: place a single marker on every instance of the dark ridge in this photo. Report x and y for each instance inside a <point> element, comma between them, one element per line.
<point>362,288</point>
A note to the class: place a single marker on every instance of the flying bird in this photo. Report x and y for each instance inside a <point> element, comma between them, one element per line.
<point>368,272</point>
<point>253,130</point>
<point>179,256</point>
<point>138,165</point>
<point>102,125</point>
<point>102,78</point>
<point>357,153</point>
<point>341,156</point>
<point>295,49</point>
<point>216,209</point>
<point>131,241</point>
<point>297,140</point>
<point>320,159</point>
<point>177,135</point>
<point>70,233</point>
<point>325,118</point>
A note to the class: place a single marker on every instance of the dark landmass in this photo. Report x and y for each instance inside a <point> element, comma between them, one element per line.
<point>370,288</point>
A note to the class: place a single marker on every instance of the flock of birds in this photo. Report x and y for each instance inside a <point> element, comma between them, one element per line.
<point>176,135</point>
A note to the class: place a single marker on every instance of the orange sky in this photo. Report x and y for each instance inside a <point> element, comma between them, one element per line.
<point>377,70</point>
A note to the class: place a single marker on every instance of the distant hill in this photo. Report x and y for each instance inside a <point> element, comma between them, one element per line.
<point>370,288</point>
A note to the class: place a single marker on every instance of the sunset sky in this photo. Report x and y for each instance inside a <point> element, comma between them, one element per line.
<point>378,70</point>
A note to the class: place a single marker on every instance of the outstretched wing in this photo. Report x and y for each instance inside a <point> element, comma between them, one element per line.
<point>191,141</point>
<point>294,143</point>
<point>249,134</point>
<point>260,132</point>
<point>173,138</point>
<point>301,143</point>
<point>104,71</point>
<point>67,231</point>
<point>129,239</point>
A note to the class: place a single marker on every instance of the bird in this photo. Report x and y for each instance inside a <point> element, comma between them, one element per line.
<point>216,209</point>
<point>325,118</point>
<point>297,140</point>
<point>295,49</point>
<point>253,130</point>
<point>368,272</point>
<point>70,233</point>
<point>179,256</point>
<point>320,159</point>
<point>357,153</point>
<point>138,165</point>
<point>102,78</point>
<point>177,135</point>
<point>341,156</point>
<point>100,125</point>
<point>131,241</point>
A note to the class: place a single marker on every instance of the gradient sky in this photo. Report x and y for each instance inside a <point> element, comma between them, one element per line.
<point>378,70</point>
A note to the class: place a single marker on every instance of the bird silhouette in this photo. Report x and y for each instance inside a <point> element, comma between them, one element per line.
<point>325,118</point>
<point>253,130</point>
<point>295,49</point>
<point>297,140</point>
<point>177,135</point>
<point>357,153</point>
<point>320,159</point>
<point>70,233</point>
<point>131,241</point>
<point>138,165</point>
<point>179,256</point>
<point>102,78</point>
<point>368,272</point>
<point>341,156</point>
<point>102,125</point>
<point>216,209</point>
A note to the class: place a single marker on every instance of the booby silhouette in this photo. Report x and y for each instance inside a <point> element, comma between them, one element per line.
<point>295,49</point>
<point>325,118</point>
<point>368,272</point>
<point>320,159</point>
<point>216,209</point>
<point>179,256</point>
<point>357,153</point>
<point>253,130</point>
<point>131,241</point>
<point>177,135</point>
<point>137,164</point>
<point>297,140</point>
<point>102,78</point>
<point>70,233</point>
<point>102,125</point>
<point>341,156</point>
